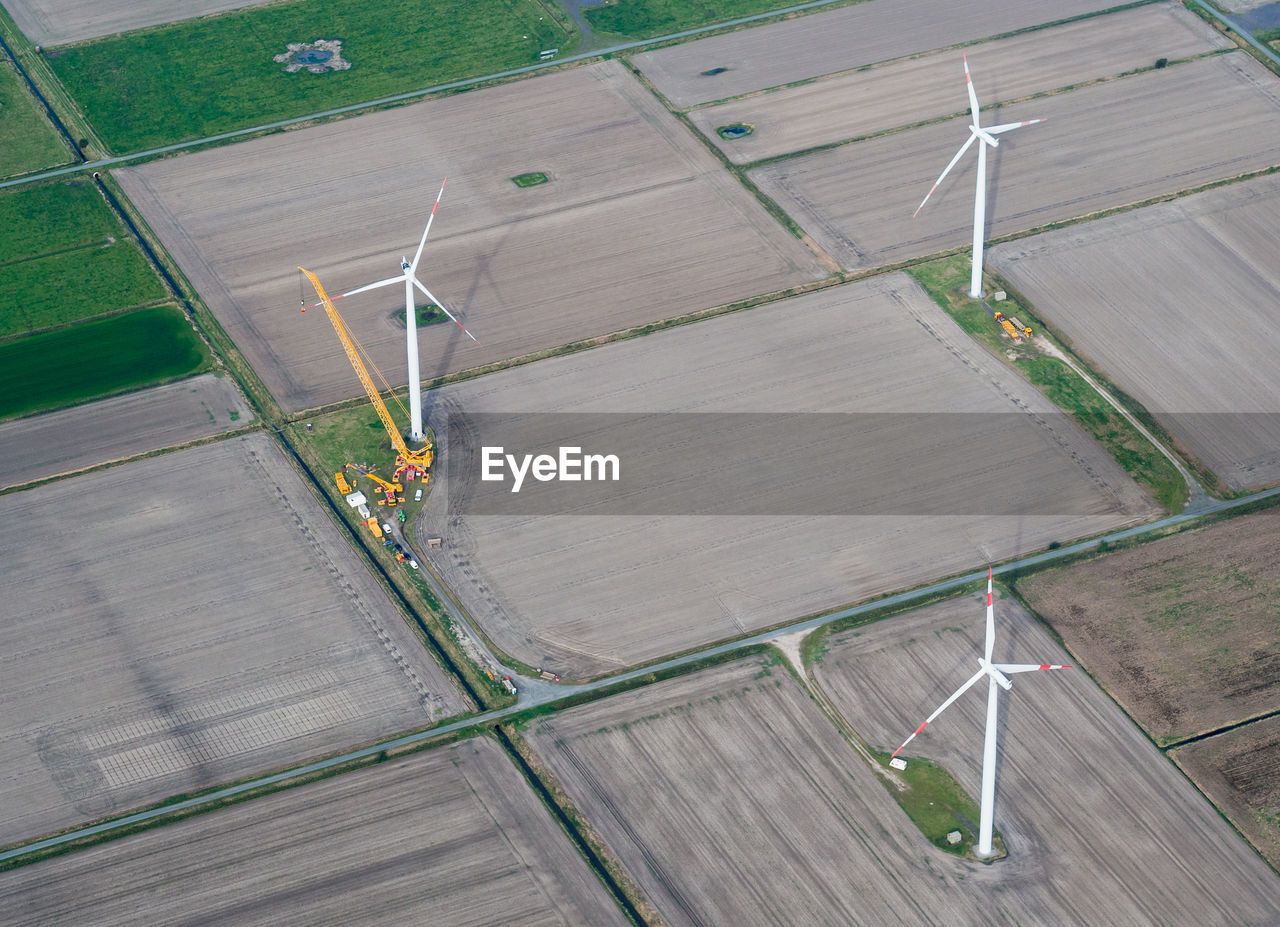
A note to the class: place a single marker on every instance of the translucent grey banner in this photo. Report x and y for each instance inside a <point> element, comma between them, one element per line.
<point>750,464</point>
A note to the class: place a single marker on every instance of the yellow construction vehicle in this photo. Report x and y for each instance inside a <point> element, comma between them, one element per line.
<point>1013,328</point>
<point>392,491</point>
<point>343,486</point>
<point>408,461</point>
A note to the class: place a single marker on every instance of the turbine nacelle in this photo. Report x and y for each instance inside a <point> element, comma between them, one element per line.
<point>995,674</point>
<point>984,135</point>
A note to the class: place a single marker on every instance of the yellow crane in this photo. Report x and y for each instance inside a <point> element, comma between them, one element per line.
<point>406,459</point>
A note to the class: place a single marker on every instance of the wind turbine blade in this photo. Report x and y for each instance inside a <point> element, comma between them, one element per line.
<point>443,309</point>
<point>946,170</point>
<point>991,619</point>
<point>418,254</point>
<point>1010,126</point>
<point>373,286</point>
<point>954,695</point>
<point>973,96</point>
<point>1029,667</point>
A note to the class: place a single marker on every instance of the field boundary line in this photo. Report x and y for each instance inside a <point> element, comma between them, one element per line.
<point>1224,729</point>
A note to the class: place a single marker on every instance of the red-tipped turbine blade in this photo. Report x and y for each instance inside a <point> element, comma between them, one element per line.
<point>418,254</point>
<point>991,619</point>
<point>954,695</point>
<point>443,309</point>
<point>946,170</point>
<point>973,96</point>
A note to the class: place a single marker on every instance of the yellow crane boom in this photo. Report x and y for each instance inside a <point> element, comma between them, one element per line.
<point>421,459</point>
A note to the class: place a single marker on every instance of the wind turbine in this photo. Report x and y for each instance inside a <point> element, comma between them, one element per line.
<point>984,137</point>
<point>997,674</point>
<point>408,276</point>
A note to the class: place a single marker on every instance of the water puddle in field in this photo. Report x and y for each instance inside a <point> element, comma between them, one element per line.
<point>318,57</point>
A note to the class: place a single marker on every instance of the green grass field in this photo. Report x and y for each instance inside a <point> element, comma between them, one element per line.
<point>27,140</point>
<point>98,358</point>
<point>45,292</point>
<point>65,257</point>
<point>205,76</point>
<point>933,799</point>
<point>947,282</point>
<point>638,19</point>
<point>53,217</point>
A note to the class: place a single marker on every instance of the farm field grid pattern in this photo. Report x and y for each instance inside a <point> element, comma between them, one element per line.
<point>44,445</point>
<point>1194,284</point>
<point>638,223</point>
<point>823,43</point>
<point>648,586</point>
<point>1100,827</point>
<point>451,836</point>
<point>198,620</point>
<point>1106,145</point>
<point>57,22</point>
<point>913,90</point>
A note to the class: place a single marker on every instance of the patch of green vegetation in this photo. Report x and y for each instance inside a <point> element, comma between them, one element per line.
<point>933,799</point>
<point>424,315</point>
<point>947,282</point>
<point>637,19</point>
<point>98,358</point>
<point>28,142</point>
<point>36,220</point>
<point>531,179</point>
<point>214,74</point>
<point>735,130</point>
<point>64,256</point>
<point>45,292</point>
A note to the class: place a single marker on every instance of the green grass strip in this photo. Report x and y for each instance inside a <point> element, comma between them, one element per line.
<point>933,799</point>
<point>643,18</point>
<point>27,141</point>
<point>947,281</point>
<point>98,358</point>
<point>205,76</point>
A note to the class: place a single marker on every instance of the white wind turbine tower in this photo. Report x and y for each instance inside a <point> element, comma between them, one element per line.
<point>984,137</point>
<point>996,675</point>
<point>408,276</point>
